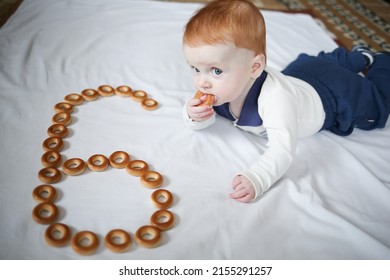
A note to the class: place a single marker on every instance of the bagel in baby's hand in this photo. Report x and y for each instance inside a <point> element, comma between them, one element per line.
<point>208,101</point>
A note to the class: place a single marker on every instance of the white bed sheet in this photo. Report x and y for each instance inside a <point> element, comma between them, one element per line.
<point>333,203</point>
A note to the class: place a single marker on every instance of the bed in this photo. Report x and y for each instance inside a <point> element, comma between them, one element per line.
<point>333,203</point>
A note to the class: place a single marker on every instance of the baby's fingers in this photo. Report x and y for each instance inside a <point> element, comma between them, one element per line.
<point>194,102</point>
<point>237,180</point>
<point>239,193</point>
<point>241,196</point>
<point>200,114</point>
<point>246,198</point>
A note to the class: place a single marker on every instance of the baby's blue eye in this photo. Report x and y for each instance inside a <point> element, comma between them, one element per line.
<point>216,71</point>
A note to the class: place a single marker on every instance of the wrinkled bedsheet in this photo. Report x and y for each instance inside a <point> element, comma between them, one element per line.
<point>333,203</point>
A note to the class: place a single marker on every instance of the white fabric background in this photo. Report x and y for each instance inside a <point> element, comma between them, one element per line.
<point>333,203</point>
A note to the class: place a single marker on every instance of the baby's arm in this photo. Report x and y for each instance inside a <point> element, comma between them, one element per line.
<point>282,133</point>
<point>272,165</point>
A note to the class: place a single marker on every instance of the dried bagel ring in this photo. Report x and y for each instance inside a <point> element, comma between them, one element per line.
<point>119,159</point>
<point>209,98</point>
<point>106,90</point>
<point>63,107</point>
<point>124,91</point>
<point>57,130</point>
<point>162,199</point>
<point>163,219</point>
<point>51,159</point>
<point>151,179</point>
<point>49,175</point>
<point>62,118</point>
<point>118,240</point>
<point>45,213</point>
<point>74,166</point>
<point>74,99</point>
<point>57,235</point>
<point>90,94</point>
<point>139,95</point>
<point>148,236</point>
<point>149,104</point>
<point>85,242</point>
<point>44,193</point>
<point>53,144</point>
<point>137,167</point>
<point>97,162</point>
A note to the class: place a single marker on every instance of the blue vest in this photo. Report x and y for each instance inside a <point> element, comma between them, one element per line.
<point>249,114</point>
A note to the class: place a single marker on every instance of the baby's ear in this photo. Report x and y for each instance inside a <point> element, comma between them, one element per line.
<point>258,65</point>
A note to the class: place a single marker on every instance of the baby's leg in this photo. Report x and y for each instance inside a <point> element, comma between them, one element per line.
<point>353,61</point>
<point>379,74</point>
<point>352,100</point>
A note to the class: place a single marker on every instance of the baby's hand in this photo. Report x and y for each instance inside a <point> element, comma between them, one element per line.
<point>198,113</point>
<point>244,191</point>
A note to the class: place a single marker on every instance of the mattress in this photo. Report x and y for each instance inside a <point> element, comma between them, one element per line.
<point>332,204</point>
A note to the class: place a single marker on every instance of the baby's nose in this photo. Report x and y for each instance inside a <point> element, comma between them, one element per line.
<point>204,83</point>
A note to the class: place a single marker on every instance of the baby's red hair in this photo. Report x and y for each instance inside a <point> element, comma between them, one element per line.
<point>227,21</point>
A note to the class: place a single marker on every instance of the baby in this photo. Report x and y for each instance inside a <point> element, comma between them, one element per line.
<point>224,44</point>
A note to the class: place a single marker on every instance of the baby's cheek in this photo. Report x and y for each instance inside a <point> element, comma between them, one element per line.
<point>225,94</point>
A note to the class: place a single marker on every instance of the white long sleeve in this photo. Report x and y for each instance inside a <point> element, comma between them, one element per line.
<point>290,109</point>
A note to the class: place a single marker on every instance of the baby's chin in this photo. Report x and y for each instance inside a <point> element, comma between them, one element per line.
<point>217,101</point>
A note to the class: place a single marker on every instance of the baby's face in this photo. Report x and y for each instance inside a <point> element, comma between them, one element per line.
<point>222,70</point>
